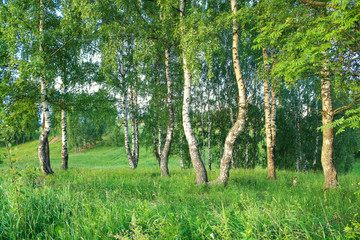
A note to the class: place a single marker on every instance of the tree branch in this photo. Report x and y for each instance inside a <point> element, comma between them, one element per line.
<point>61,46</point>
<point>314,3</point>
<point>340,109</point>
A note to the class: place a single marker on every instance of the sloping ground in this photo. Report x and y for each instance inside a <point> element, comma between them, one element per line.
<point>99,156</point>
<point>55,139</point>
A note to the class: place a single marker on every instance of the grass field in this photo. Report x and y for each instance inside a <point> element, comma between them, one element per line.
<point>100,198</point>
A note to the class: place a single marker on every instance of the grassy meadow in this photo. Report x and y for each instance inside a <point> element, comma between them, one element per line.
<point>100,198</point>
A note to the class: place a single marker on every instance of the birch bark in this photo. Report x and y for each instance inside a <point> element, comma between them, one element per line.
<point>202,126</point>
<point>273,122</point>
<point>159,139</point>
<point>201,174</point>
<point>170,128</point>
<point>240,120</point>
<point>136,129</point>
<point>268,127</point>
<point>43,147</point>
<point>155,149</point>
<point>209,129</point>
<point>132,116</point>
<point>181,153</point>
<point>132,162</point>
<point>273,110</point>
<point>328,132</point>
<point>64,148</point>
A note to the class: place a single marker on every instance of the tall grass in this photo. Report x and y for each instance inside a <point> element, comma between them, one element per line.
<point>99,198</point>
<point>138,204</point>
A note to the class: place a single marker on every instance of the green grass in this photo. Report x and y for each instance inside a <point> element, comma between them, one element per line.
<point>100,156</point>
<point>100,198</point>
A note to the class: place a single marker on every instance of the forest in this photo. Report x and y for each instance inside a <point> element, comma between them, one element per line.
<point>123,119</point>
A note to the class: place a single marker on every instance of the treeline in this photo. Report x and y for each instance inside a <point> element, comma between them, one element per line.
<point>236,84</point>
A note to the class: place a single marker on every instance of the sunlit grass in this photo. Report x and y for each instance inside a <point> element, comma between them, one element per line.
<point>100,198</point>
<point>99,156</point>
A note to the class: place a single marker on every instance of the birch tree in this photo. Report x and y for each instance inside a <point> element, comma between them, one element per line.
<point>240,121</point>
<point>29,29</point>
<point>170,128</point>
<point>318,49</point>
<point>162,153</point>
<point>201,174</point>
<point>270,113</point>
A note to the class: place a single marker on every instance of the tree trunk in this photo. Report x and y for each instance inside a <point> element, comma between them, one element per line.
<point>181,153</point>
<point>202,127</point>
<point>43,148</point>
<point>132,162</point>
<point>247,146</point>
<point>160,140</point>
<point>64,148</point>
<point>135,122</point>
<point>170,128</point>
<point>209,129</point>
<point>268,127</point>
<point>273,122</point>
<point>273,110</point>
<point>240,120</point>
<point>132,116</point>
<point>328,132</point>
<point>296,136</point>
<point>156,153</point>
<point>308,114</point>
<point>230,110</point>
<point>317,137</point>
<point>201,174</point>
<point>299,150</point>
<point>221,143</point>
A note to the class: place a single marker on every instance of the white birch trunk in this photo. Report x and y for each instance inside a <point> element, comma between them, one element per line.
<point>268,124</point>
<point>181,153</point>
<point>43,148</point>
<point>132,116</point>
<point>170,128</point>
<point>273,121</point>
<point>296,137</point>
<point>64,148</point>
<point>209,130</point>
<point>328,132</point>
<point>240,121</point>
<point>202,127</point>
<point>155,148</point>
<point>201,174</point>
<point>159,139</point>
<point>132,163</point>
<point>273,111</point>
<point>136,155</point>
<point>231,112</point>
